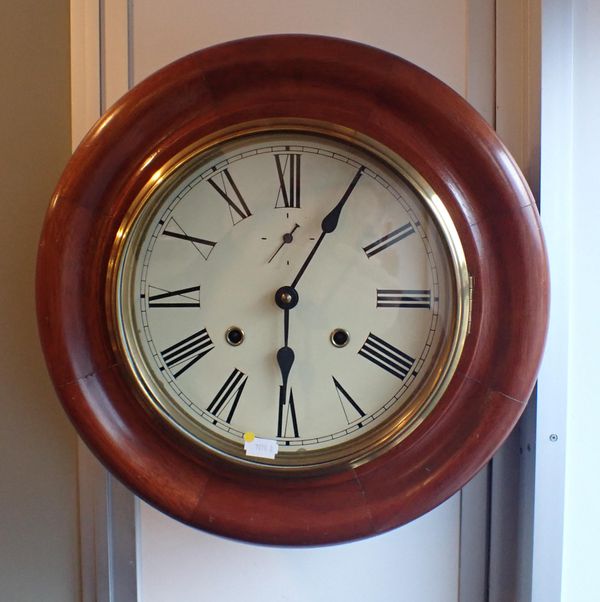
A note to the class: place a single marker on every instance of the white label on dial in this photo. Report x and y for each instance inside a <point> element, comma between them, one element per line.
<point>261,448</point>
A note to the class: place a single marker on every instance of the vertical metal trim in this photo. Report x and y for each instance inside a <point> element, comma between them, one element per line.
<point>109,534</point>
<point>116,43</point>
<point>474,538</point>
<point>123,542</point>
<point>505,517</point>
<point>85,70</point>
<point>94,517</point>
<point>110,540</point>
<point>488,533</point>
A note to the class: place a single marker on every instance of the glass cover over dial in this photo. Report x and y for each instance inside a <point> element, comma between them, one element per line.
<point>304,289</point>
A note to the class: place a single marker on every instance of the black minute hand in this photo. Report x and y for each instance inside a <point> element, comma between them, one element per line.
<point>329,223</point>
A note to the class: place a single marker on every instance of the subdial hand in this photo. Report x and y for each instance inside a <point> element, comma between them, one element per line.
<point>287,238</point>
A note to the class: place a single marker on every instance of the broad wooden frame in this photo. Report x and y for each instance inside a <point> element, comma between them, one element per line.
<point>380,96</point>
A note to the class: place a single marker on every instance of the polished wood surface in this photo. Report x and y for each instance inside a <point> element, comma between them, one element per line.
<point>387,99</point>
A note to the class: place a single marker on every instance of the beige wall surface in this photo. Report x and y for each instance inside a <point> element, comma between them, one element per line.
<point>38,447</point>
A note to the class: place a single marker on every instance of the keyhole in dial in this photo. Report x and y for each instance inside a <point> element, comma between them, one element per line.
<point>234,336</point>
<point>339,337</point>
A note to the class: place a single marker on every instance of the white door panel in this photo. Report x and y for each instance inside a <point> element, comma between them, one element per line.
<point>430,33</point>
<point>418,562</point>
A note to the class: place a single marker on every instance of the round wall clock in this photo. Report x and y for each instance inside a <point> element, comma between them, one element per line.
<point>292,290</point>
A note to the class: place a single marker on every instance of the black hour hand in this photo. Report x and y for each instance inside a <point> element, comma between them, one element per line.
<point>285,359</point>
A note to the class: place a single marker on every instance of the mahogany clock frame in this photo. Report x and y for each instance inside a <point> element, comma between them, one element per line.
<point>353,86</point>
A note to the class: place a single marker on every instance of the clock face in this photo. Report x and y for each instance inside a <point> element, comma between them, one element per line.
<point>291,298</point>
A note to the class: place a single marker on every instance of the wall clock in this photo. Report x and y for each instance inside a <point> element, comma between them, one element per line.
<point>292,290</point>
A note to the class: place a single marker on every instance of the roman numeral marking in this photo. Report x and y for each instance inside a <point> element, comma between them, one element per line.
<point>403,298</point>
<point>386,356</point>
<point>289,189</point>
<point>351,409</point>
<point>388,240</point>
<point>203,246</point>
<point>226,189</point>
<point>186,353</point>
<point>286,419</point>
<point>229,395</point>
<point>184,297</point>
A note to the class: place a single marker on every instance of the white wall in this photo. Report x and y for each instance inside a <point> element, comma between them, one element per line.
<point>582,491</point>
<point>567,523</point>
<point>39,552</point>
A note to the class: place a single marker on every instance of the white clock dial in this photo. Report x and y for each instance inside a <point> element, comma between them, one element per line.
<point>296,286</point>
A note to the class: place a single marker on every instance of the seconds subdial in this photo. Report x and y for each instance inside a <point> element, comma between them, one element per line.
<point>288,237</point>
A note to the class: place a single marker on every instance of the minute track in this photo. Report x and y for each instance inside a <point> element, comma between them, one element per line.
<point>290,417</point>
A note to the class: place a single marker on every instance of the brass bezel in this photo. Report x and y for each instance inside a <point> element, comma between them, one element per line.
<point>356,451</point>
